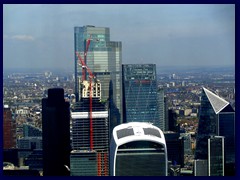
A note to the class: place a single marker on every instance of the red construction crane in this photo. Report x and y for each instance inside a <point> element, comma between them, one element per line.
<point>85,57</point>
<point>91,76</point>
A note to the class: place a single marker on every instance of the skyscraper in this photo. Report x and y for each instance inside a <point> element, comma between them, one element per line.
<point>140,99</point>
<point>217,118</point>
<point>104,58</point>
<point>56,133</point>
<point>90,145</point>
<point>138,149</point>
<point>9,129</point>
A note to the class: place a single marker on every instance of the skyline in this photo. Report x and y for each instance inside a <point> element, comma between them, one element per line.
<point>41,36</point>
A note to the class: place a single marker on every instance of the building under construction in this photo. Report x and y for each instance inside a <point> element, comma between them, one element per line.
<point>90,133</point>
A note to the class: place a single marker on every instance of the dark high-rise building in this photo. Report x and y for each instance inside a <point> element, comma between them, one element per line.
<point>104,58</point>
<point>172,120</point>
<point>216,156</point>
<point>175,147</point>
<point>9,129</point>
<point>138,149</point>
<point>140,98</point>
<point>217,118</point>
<point>56,133</point>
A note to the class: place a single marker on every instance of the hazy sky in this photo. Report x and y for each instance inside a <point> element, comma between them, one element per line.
<point>181,35</point>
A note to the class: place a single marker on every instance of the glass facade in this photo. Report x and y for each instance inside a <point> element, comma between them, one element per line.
<point>217,118</point>
<point>140,98</point>
<point>216,156</point>
<point>227,129</point>
<point>83,163</point>
<point>141,158</point>
<point>104,58</point>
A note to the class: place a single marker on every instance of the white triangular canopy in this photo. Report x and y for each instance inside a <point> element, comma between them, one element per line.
<point>217,102</point>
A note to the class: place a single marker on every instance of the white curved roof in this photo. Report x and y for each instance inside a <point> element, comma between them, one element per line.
<point>137,131</point>
<point>217,102</point>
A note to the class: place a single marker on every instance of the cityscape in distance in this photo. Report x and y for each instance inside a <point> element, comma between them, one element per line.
<point>102,114</point>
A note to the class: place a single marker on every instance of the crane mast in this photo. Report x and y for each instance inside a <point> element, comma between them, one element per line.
<point>91,76</point>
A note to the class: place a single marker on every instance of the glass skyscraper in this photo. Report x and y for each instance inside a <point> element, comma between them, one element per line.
<point>217,118</point>
<point>104,58</point>
<point>140,98</point>
<point>216,156</point>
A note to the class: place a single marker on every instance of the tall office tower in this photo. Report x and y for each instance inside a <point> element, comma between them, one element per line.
<point>81,135</point>
<point>104,58</point>
<point>161,109</point>
<point>217,117</point>
<point>140,99</point>
<point>9,129</point>
<point>216,156</point>
<point>200,167</point>
<point>138,149</point>
<point>56,133</point>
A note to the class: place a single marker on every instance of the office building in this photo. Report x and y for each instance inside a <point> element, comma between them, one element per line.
<point>138,149</point>
<point>104,58</point>
<point>216,156</point>
<point>85,141</point>
<point>9,129</point>
<point>172,120</point>
<point>56,133</point>
<point>162,110</point>
<point>31,131</point>
<point>175,147</point>
<point>217,118</point>
<point>187,143</point>
<point>140,98</point>
<point>200,167</point>
<point>30,143</point>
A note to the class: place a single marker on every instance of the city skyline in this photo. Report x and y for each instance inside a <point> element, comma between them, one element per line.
<point>163,34</point>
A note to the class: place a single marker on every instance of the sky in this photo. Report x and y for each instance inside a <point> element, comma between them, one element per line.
<point>42,35</point>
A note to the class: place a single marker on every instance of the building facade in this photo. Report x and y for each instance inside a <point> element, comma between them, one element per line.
<point>138,149</point>
<point>217,118</point>
<point>104,58</point>
<point>9,129</point>
<point>83,163</point>
<point>216,156</point>
<point>140,98</point>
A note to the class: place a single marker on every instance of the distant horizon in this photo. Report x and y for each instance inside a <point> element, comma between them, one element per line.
<point>158,67</point>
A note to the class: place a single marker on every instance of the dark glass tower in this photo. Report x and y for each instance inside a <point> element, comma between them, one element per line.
<point>217,118</point>
<point>140,98</point>
<point>56,133</point>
